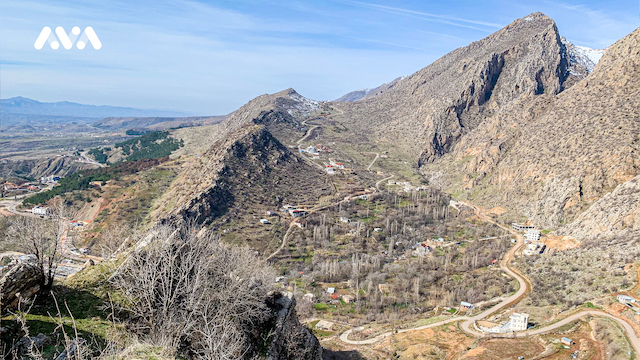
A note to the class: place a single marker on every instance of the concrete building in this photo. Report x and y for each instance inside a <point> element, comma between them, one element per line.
<point>517,322</point>
<point>521,227</point>
<point>532,235</point>
<point>42,211</point>
<point>265,221</point>
<point>626,299</point>
<point>297,212</point>
<point>566,341</point>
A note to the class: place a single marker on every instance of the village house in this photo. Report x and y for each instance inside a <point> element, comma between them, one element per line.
<point>348,299</point>
<point>265,221</point>
<point>626,299</point>
<point>331,290</point>
<point>566,341</point>
<point>297,212</point>
<point>42,211</point>
<point>466,305</point>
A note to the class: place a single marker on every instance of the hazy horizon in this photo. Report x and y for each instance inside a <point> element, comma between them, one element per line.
<point>209,58</point>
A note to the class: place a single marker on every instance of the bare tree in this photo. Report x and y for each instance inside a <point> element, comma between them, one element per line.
<point>42,238</point>
<point>186,288</point>
<point>113,239</point>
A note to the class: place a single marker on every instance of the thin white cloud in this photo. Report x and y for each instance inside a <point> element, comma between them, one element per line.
<point>381,42</point>
<point>443,18</point>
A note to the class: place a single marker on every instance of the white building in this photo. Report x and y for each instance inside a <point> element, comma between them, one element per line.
<point>532,235</point>
<point>626,299</point>
<point>517,322</point>
<point>42,211</point>
<point>265,221</point>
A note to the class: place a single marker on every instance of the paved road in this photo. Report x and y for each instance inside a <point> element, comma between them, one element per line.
<point>381,181</point>
<point>374,160</point>
<point>90,160</point>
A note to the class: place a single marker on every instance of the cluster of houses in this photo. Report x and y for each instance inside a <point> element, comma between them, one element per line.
<point>531,238</point>
<point>333,166</point>
<point>422,249</point>
<point>314,151</point>
<point>406,186</point>
<point>336,298</point>
<point>9,186</point>
<point>50,179</point>
<point>294,211</point>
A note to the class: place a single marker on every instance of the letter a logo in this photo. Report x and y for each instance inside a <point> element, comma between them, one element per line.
<point>46,35</point>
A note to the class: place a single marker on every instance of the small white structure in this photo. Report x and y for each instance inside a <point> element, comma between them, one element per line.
<point>324,325</point>
<point>377,229</point>
<point>43,211</point>
<point>626,299</point>
<point>532,235</point>
<point>467,305</point>
<point>330,170</point>
<point>344,219</point>
<point>517,322</point>
<point>309,297</point>
<point>297,212</point>
<point>331,290</point>
<point>265,221</point>
<point>566,341</point>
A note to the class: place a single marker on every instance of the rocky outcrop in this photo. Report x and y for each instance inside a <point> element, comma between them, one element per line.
<point>248,169</point>
<point>18,282</point>
<point>37,168</point>
<point>615,214</point>
<point>291,340</point>
<point>552,158</point>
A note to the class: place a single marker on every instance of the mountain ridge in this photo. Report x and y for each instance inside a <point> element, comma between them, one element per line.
<point>27,106</point>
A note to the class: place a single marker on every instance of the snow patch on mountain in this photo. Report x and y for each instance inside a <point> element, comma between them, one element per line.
<point>583,56</point>
<point>303,105</point>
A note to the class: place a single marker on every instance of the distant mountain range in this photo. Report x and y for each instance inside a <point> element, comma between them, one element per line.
<point>22,105</point>
<point>23,115</point>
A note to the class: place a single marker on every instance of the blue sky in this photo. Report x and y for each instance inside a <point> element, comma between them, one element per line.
<point>211,57</point>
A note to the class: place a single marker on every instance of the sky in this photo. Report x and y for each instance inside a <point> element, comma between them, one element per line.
<point>211,57</point>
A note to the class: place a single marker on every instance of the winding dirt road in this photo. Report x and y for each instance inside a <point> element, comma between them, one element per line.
<point>467,322</point>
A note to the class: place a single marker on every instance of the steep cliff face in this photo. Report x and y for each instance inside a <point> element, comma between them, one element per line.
<point>551,158</point>
<point>434,108</point>
<point>615,214</point>
<point>291,340</point>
